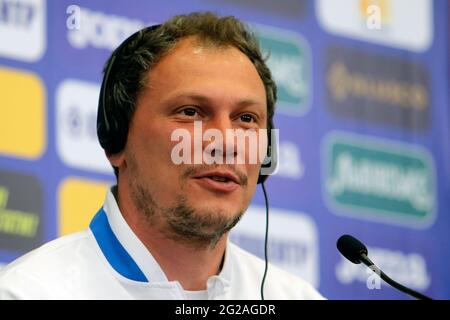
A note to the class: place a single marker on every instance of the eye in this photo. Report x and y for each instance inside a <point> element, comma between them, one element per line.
<point>189,112</point>
<point>247,118</point>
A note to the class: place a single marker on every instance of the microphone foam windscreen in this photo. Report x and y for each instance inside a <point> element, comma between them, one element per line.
<point>351,248</point>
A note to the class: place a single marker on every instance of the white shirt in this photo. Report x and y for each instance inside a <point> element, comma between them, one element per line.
<point>108,261</point>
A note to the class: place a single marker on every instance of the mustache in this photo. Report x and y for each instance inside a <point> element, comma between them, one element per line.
<point>199,169</point>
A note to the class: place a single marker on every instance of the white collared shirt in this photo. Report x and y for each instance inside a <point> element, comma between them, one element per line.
<point>108,261</point>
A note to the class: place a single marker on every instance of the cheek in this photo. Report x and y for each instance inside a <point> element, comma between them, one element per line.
<point>160,138</point>
<point>154,147</point>
<point>253,174</point>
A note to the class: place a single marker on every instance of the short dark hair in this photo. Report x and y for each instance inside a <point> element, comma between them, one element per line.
<point>138,56</point>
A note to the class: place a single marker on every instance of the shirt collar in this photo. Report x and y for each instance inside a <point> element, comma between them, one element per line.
<point>129,256</point>
<point>130,242</point>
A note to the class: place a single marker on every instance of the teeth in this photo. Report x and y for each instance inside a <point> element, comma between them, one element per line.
<point>221,179</point>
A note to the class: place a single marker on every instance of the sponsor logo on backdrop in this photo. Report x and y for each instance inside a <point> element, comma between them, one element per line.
<point>293,240</point>
<point>21,209</point>
<point>377,88</point>
<point>23,116</point>
<point>76,126</point>
<point>379,180</point>
<point>403,24</point>
<point>290,162</point>
<point>285,8</point>
<point>409,269</point>
<point>23,29</point>
<point>290,64</point>
<point>87,27</point>
<point>78,202</point>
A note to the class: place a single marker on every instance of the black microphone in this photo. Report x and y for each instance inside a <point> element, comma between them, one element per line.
<point>355,251</point>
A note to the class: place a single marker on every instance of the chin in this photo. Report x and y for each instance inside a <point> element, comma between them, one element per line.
<point>217,207</point>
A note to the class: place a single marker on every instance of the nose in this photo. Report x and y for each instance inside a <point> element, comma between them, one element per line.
<point>217,147</point>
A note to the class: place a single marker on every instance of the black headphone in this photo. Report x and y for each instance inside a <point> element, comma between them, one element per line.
<point>112,122</point>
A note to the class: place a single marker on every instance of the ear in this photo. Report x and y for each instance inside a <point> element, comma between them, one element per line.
<point>116,159</point>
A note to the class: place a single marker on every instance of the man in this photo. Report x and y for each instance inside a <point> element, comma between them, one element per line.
<point>163,230</point>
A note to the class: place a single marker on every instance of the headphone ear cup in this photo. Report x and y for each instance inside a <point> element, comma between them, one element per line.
<point>271,155</point>
<point>120,131</point>
<point>112,123</point>
<point>114,139</point>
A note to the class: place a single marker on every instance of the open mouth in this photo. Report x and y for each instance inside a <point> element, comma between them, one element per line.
<point>221,182</point>
<point>218,178</point>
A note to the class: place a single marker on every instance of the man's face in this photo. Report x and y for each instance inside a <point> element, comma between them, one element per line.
<point>221,88</point>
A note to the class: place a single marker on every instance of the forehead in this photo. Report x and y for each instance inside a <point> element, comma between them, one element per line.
<point>192,64</point>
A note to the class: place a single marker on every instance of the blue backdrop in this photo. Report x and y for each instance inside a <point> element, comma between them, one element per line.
<point>363,118</point>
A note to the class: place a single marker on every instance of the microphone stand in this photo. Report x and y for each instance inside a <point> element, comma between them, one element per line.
<point>365,259</point>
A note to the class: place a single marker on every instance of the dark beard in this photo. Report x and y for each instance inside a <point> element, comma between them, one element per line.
<point>182,223</point>
<point>200,229</point>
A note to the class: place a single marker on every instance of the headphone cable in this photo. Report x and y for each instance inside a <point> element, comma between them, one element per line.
<point>265,242</point>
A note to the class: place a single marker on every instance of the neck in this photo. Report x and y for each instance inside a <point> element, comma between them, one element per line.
<point>191,265</point>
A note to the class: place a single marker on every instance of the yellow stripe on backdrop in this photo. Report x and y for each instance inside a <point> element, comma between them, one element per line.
<point>23,114</point>
<point>78,201</point>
